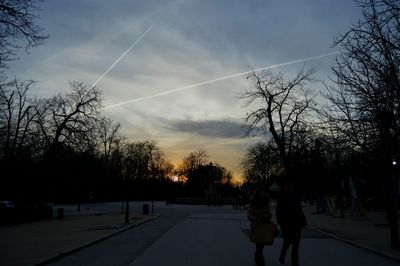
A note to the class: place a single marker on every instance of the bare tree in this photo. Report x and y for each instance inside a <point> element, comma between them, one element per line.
<point>69,120</point>
<point>367,75</point>
<point>18,28</point>
<point>16,116</point>
<point>192,161</point>
<point>365,105</point>
<point>282,106</point>
<point>161,167</point>
<point>141,154</point>
<point>109,139</point>
<point>259,161</point>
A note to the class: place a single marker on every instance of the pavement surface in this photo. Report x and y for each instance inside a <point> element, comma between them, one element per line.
<point>369,232</point>
<point>41,241</point>
<point>222,239</point>
<point>186,235</point>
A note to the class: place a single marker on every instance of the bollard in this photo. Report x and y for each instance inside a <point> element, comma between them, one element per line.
<point>145,208</point>
<point>60,213</point>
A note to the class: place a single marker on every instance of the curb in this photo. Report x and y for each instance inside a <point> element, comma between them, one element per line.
<point>362,246</point>
<point>90,243</point>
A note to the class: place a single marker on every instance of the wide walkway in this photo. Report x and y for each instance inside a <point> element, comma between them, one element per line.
<point>222,239</point>
<point>185,235</point>
<point>202,239</point>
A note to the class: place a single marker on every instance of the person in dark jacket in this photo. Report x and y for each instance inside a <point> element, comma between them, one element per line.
<point>259,211</point>
<point>291,220</point>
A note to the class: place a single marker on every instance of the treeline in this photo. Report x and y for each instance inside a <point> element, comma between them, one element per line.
<point>56,148</point>
<point>348,139</point>
<point>61,149</point>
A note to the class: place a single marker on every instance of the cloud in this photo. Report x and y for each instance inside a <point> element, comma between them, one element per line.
<point>192,41</point>
<point>210,128</point>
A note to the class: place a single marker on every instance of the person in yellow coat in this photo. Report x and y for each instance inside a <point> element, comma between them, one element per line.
<point>259,211</point>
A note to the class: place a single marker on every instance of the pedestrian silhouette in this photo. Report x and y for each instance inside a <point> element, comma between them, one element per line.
<point>291,220</point>
<point>259,212</point>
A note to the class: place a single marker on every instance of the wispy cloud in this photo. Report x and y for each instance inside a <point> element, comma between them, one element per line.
<point>219,79</point>
<point>181,84</point>
<point>122,56</point>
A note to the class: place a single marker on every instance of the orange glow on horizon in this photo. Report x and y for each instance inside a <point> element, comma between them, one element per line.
<point>237,179</point>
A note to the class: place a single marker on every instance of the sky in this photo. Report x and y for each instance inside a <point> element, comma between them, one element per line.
<point>136,51</point>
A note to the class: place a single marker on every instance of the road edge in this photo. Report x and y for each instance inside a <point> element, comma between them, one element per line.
<point>359,245</point>
<point>90,243</point>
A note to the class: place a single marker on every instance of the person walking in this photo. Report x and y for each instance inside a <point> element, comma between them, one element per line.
<point>291,220</point>
<point>259,211</point>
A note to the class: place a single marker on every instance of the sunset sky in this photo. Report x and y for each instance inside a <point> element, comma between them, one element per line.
<point>175,44</point>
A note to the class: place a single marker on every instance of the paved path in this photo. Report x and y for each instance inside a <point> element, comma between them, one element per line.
<point>197,235</point>
<point>220,239</point>
<point>202,239</point>
<point>125,247</point>
<point>184,235</point>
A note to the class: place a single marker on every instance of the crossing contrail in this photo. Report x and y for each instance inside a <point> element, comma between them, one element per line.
<point>122,56</point>
<point>217,79</point>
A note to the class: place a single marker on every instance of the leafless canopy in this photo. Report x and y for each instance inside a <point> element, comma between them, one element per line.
<point>141,158</point>
<point>260,161</point>
<point>193,160</point>
<point>18,28</point>
<point>109,137</point>
<point>367,75</point>
<point>365,105</point>
<point>282,107</point>
<point>16,116</point>
<point>69,119</point>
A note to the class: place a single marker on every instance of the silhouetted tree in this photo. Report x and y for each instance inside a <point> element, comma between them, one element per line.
<point>18,28</point>
<point>16,143</point>
<point>16,117</point>
<point>202,175</point>
<point>141,154</point>
<point>69,120</point>
<point>63,130</point>
<point>150,170</point>
<point>282,106</point>
<point>109,137</point>
<point>193,161</point>
<point>227,176</point>
<point>366,101</point>
<point>160,167</point>
<point>259,162</point>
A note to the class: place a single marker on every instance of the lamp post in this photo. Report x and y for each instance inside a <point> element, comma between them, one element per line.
<point>128,175</point>
<point>386,123</point>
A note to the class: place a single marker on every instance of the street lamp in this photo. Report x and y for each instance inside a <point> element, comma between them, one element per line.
<point>386,119</point>
<point>128,175</point>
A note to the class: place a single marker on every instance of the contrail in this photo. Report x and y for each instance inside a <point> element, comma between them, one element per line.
<point>218,79</point>
<point>122,56</point>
